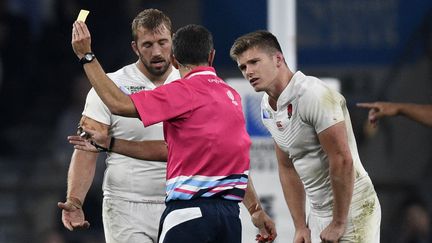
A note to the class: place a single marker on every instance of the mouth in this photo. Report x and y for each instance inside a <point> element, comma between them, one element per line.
<point>158,63</point>
<point>253,81</point>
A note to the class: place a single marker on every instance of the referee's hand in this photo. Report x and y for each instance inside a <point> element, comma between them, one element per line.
<point>81,39</point>
<point>265,225</point>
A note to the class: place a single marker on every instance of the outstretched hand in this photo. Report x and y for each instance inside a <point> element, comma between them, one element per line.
<point>87,138</point>
<point>81,39</point>
<point>73,216</point>
<point>379,110</point>
<point>265,225</point>
<point>82,144</point>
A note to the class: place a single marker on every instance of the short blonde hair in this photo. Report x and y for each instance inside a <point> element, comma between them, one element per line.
<point>151,19</point>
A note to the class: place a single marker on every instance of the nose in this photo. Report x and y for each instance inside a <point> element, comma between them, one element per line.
<point>249,72</point>
<point>157,50</point>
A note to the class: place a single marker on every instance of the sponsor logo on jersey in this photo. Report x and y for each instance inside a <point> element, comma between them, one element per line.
<point>279,125</point>
<point>131,89</point>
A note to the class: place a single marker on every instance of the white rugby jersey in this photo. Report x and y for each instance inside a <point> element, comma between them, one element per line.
<point>127,178</point>
<point>306,107</point>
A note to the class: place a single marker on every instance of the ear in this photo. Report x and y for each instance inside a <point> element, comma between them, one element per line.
<point>135,48</point>
<point>211,57</point>
<point>280,60</point>
<point>174,61</point>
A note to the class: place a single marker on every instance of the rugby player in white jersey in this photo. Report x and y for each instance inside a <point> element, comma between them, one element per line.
<point>133,189</point>
<point>315,147</point>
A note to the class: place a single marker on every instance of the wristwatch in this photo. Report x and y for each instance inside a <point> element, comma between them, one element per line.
<point>88,57</point>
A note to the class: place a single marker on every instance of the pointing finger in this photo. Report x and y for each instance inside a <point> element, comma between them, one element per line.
<point>366,105</point>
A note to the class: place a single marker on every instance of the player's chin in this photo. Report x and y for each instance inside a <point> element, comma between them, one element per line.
<point>159,70</point>
<point>257,88</point>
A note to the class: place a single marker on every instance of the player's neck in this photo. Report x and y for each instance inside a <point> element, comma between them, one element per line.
<point>157,80</point>
<point>280,83</point>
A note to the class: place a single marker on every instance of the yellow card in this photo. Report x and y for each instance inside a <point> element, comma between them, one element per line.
<point>83,15</point>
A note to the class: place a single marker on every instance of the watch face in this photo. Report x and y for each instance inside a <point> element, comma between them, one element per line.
<point>88,57</point>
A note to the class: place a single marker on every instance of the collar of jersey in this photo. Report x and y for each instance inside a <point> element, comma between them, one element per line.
<point>201,70</point>
<point>287,94</point>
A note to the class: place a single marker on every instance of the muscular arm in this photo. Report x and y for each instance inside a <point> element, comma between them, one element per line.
<point>154,150</point>
<point>419,113</point>
<point>80,177</point>
<point>83,164</point>
<point>294,194</point>
<point>81,173</point>
<point>116,101</point>
<point>334,141</point>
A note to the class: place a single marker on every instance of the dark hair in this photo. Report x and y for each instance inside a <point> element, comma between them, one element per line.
<point>192,44</point>
<point>261,39</point>
<point>151,19</point>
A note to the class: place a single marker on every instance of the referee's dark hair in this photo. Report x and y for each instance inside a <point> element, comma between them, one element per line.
<point>192,44</point>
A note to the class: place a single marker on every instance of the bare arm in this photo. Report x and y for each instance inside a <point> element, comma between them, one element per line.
<point>416,112</point>
<point>294,194</point>
<point>259,218</point>
<point>81,173</point>
<point>154,150</point>
<point>83,164</point>
<point>80,177</point>
<point>116,101</point>
<point>334,141</point>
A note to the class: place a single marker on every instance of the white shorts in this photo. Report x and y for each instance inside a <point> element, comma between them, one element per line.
<point>131,222</point>
<point>363,226</point>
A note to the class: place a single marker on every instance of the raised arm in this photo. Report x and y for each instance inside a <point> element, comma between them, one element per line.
<point>116,101</point>
<point>294,194</point>
<point>334,141</point>
<point>416,112</point>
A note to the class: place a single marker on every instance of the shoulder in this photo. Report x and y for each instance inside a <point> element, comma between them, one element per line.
<point>124,74</point>
<point>312,88</point>
<point>94,108</point>
<point>92,93</point>
<point>93,98</point>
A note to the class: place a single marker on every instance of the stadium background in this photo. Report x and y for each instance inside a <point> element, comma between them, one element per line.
<point>376,49</point>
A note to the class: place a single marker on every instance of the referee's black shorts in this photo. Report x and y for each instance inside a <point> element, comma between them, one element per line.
<point>202,220</point>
